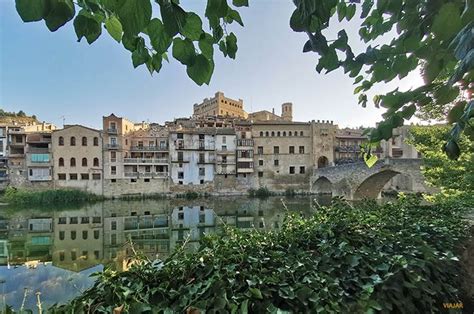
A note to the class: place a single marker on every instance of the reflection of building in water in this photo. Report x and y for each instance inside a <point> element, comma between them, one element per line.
<point>189,224</point>
<point>147,231</point>
<point>78,238</point>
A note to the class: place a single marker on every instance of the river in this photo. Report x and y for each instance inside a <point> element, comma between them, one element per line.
<point>54,251</point>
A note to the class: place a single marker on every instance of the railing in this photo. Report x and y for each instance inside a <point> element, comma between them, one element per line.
<point>146,174</point>
<point>131,174</point>
<point>149,148</point>
<point>347,148</point>
<point>38,150</point>
<point>112,146</point>
<point>38,140</point>
<point>208,160</point>
<point>201,145</point>
<point>112,131</point>
<point>145,160</point>
<point>244,142</point>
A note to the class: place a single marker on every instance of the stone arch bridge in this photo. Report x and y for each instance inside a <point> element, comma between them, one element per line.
<point>357,181</point>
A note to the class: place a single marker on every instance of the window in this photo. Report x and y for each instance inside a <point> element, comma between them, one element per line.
<point>96,219</point>
<point>84,220</point>
<point>84,255</point>
<point>202,171</point>
<point>133,180</point>
<point>84,162</point>
<point>73,141</point>
<point>180,216</point>
<point>278,133</point>
<point>292,169</point>
<point>113,126</point>
<point>202,157</point>
<point>302,169</point>
<point>301,149</point>
<point>96,234</point>
<point>290,134</point>
<point>62,221</point>
<point>96,176</point>
<point>284,133</point>
<point>292,149</point>
<point>113,239</point>
<point>147,180</point>
<point>261,134</point>
<point>266,134</point>
<point>61,141</point>
<point>96,162</point>
<point>73,221</point>
<point>113,156</point>
<point>113,170</point>
<point>180,175</point>
<point>85,234</point>
<point>224,140</point>
<point>113,180</point>
<point>276,162</point>
<point>260,174</point>
<point>61,256</point>
<point>180,156</point>
<point>61,176</point>
<point>73,176</point>
<point>260,162</point>
<point>84,141</point>
<point>276,149</point>
<point>273,133</point>
<point>179,135</point>
<point>201,181</point>
<point>301,133</point>
<point>260,150</point>
<point>61,162</point>
<point>113,225</point>
<point>73,255</point>
<point>296,133</point>
<point>96,254</point>
<point>73,235</point>
<point>96,141</point>
<point>72,162</point>
<point>61,235</point>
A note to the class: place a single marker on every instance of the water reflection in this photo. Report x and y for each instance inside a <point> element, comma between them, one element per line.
<point>55,251</point>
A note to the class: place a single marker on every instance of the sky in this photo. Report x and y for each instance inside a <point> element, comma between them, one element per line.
<point>53,76</point>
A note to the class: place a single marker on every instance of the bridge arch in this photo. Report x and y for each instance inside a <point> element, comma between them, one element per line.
<point>373,185</point>
<point>322,186</point>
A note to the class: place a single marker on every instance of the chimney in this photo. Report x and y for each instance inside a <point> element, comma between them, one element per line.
<point>273,110</point>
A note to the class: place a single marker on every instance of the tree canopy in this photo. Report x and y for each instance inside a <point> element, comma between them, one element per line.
<point>434,36</point>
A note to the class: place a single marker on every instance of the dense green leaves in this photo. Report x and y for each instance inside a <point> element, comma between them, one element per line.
<point>192,28</point>
<point>447,21</point>
<point>159,38</point>
<point>87,26</point>
<point>32,10</point>
<point>134,15</point>
<point>201,70</point>
<point>114,28</point>
<point>60,12</point>
<point>184,51</point>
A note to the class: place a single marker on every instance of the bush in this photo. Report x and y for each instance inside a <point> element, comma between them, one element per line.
<point>261,192</point>
<point>397,257</point>
<point>19,197</point>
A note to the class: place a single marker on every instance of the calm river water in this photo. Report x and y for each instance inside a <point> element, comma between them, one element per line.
<point>54,252</point>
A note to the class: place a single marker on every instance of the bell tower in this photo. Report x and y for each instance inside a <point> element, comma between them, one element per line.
<point>287,111</point>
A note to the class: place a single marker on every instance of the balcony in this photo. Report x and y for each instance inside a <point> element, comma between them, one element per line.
<point>112,146</point>
<point>131,174</point>
<point>149,148</point>
<point>38,139</point>
<point>201,145</point>
<point>137,175</point>
<point>210,160</point>
<point>245,143</point>
<point>245,170</point>
<point>145,160</point>
<point>39,178</point>
<point>112,131</point>
<point>180,160</point>
<point>38,150</point>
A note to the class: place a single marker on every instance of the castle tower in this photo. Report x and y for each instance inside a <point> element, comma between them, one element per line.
<point>287,111</point>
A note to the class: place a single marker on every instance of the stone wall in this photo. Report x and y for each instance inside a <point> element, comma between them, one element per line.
<point>140,187</point>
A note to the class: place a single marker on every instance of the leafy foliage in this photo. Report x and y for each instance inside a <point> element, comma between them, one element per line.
<point>148,38</point>
<point>397,257</point>
<point>18,197</point>
<point>449,175</point>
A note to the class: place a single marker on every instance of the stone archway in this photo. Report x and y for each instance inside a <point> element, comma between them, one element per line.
<point>322,186</point>
<point>373,185</point>
<point>323,162</point>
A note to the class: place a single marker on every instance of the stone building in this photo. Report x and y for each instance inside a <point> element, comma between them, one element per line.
<point>193,156</point>
<point>219,105</point>
<point>226,142</point>
<point>77,158</point>
<point>3,154</point>
<point>265,115</point>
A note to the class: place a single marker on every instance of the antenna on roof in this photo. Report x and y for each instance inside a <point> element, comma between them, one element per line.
<point>64,120</point>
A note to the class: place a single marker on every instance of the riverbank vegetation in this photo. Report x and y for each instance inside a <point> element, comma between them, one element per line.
<point>400,257</point>
<point>19,197</point>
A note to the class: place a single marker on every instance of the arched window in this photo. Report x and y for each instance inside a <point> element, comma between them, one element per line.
<point>290,134</point>
<point>96,141</point>
<point>61,162</point>
<point>266,134</point>
<point>296,133</point>
<point>301,133</point>
<point>73,162</point>
<point>96,162</point>
<point>61,141</point>
<point>85,234</point>
<point>261,134</point>
<point>73,141</point>
<point>278,133</point>
<point>84,141</point>
<point>84,162</point>
<point>273,133</point>
<point>284,133</point>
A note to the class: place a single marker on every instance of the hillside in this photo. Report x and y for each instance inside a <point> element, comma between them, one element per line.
<point>19,118</point>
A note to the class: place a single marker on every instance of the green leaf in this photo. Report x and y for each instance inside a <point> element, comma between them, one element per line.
<point>256,293</point>
<point>206,45</point>
<point>446,94</point>
<point>456,112</point>
<point>350,11</point>
<point>173,17</point>
<point>201,71</point>
<point>61,12</point>
<point>130,42</point>
<point>235,16</point>
<point>140,55</point>
<point>134,15</point>
<point>240,3</point>
<point>408,111</point>
<point>451,148</point>
<point>192,28</point>
<point>32,10</point>
<point>157,61</point>
<point>244,307</point>
<point>114,28</point>
<point>341,10</point>
<point>447,22</point>
<point>216,8</point>
<point>231,44</point>
<point>159,38</point>
<point>183,51</point>
<point>86,26</point>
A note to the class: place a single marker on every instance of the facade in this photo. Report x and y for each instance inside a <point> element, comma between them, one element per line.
<point>219,105</point>
<point>3,154</point>
<point>226,142</point>
<point>264,115</point>
<point>77,158</point>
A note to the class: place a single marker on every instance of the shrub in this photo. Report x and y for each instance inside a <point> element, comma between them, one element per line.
<point>261,192</point>
<point>19,197</point>
<point>397,257</point>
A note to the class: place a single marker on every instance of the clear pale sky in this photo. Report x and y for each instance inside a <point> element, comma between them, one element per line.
<point>52,75</point>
